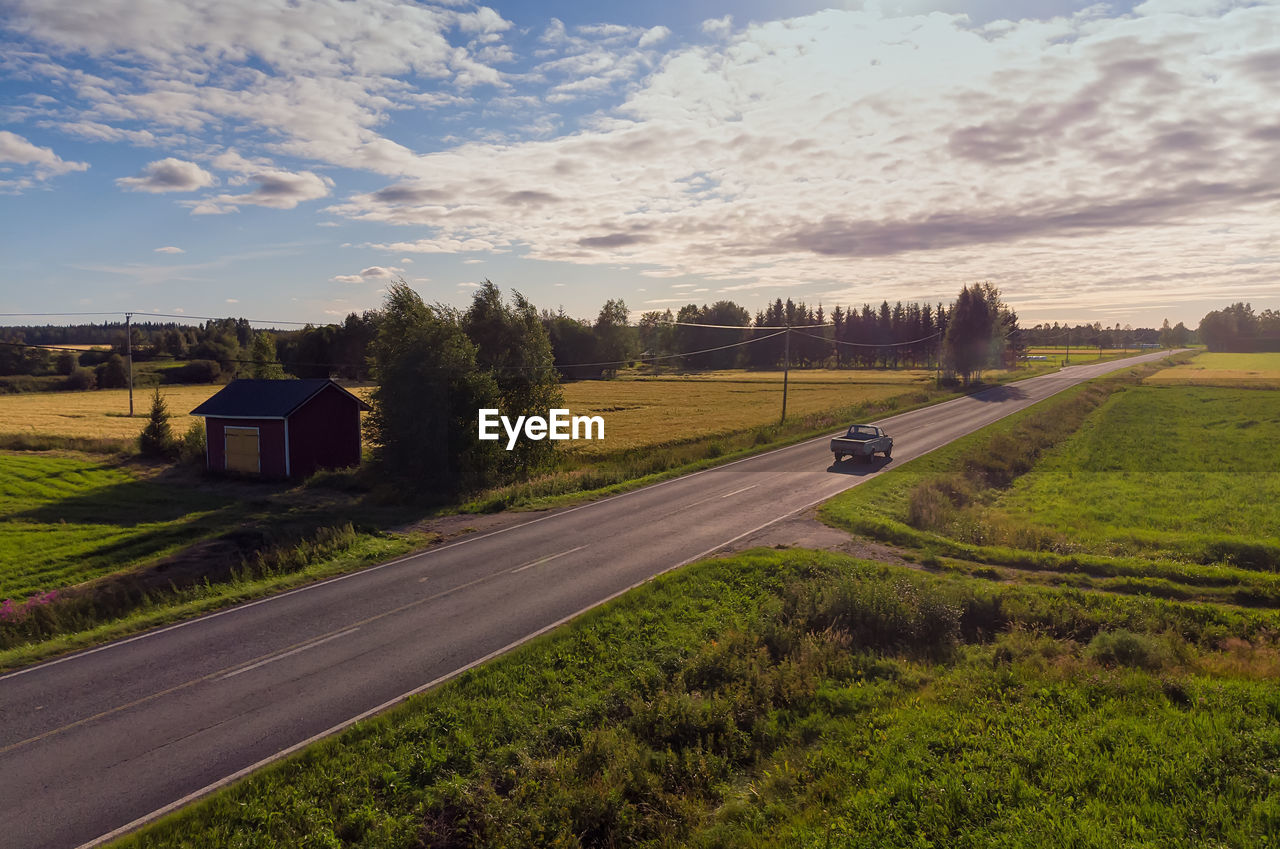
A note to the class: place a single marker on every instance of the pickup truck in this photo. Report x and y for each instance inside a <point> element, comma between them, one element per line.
<point>862,441</point>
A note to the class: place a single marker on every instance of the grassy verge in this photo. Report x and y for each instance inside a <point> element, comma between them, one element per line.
<point>96,548</point>
<point>1107,486</point>
<point>581,476</point>
<point>799,698</point>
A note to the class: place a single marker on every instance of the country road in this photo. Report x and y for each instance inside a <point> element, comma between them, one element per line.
<point>94,743</point>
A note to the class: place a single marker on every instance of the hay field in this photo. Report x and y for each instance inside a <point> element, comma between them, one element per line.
<point>1253,370</point>
<point>637,411</point>
<point>657,410</point>
<point>99,414</point>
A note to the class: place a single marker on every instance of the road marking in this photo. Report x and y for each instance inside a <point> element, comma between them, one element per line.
<point>283,753</point>
<point>282,656</point>
<point>226,669</point>
<point>744,489</point>
<point>1110,365</point>
<point>545,559</point>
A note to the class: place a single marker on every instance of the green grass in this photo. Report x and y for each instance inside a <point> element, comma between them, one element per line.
<point>1188,470</point>
<point>92,549</point>
<point>806,699</point>
<point>1108,486</point>
<point>68,519</point>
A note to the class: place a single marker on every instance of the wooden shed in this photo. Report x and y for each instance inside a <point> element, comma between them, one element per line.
<point>281,428</point>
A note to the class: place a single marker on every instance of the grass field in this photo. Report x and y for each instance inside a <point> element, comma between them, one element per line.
<point>655,410</point>
<point>100,414</point>
<point>805,699</point>
<point>1255,370</point>
<point>1153,490</point>
<point>66,519</point>
<point>638,412</point>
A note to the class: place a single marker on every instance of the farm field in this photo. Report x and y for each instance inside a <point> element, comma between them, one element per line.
<point>69,518</point>
<point>798,698</point>
<point>1257,370</point>
<point>1144,489</point>
<point>645,411</point>
<point>638,411</point>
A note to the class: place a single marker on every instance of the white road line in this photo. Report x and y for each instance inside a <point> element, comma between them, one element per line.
<point>283,753</point>
<point>1114,365</point>
<point>288,653</point>
<point>744,489</point>
<point>542,560</point>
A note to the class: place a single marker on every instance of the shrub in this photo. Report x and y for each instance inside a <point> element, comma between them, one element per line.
<point>196,371</point>
<point>191,448</point>
<point>82,378</point>
<point>1125,648</point>
<point>113,374</point>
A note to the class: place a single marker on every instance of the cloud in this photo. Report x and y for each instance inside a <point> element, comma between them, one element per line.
<point>1038,153</point>
<point>718,26</point>
<point>313,79</point>
<point>168,175</point>
<point>43,161</point>
<point>373,272</point>
<point>653,36</point>
<point>169,249</point>
<point>275,188</point>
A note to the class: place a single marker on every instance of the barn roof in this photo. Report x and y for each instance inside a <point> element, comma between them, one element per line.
<point>266,399</point>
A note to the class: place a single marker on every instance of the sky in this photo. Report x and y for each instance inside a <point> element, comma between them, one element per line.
<point>284,160</point>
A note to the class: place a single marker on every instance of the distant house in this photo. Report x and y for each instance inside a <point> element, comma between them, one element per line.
<point>281,428</point>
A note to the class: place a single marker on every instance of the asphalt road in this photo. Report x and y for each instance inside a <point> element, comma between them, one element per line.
<point>96,743</point>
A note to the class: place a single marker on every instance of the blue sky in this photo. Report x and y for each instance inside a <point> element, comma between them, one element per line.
<point>284,160</point>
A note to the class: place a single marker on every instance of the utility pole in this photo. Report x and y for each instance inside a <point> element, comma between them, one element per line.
<point>786,370</point>
<point>128,347</point>
<point>1068,346</point>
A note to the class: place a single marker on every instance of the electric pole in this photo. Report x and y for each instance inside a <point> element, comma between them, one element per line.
<point>128,347</point>
<point>786,370</point>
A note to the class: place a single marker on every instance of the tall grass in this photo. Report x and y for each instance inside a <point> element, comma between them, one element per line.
<point>796,698</point>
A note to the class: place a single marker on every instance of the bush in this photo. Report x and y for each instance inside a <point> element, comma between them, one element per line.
<point>81,378</point>
<point>113,374</point>
<point>1125,648</point>
<point>191,448</point>
<point>196,371</point>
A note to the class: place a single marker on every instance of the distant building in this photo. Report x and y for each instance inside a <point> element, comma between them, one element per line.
<point>281,428</point>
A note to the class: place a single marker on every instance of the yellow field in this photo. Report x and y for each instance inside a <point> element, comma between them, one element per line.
<point>651,411</point>
<point>1249,369</point>
<point>100,414</point>
<point>1060,351</point>
<point>637,411</point>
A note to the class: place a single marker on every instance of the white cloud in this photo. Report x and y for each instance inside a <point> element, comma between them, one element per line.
<point>373,272</point>
<point>43,161</point>
<point>1084,154</point>
<point>653,36</point>
<point>313,78</point>
<point>718,26</point>
<point>169,249</point>
<point>168,175</point>
<point>275,188</point>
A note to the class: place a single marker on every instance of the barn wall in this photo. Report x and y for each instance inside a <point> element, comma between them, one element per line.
<point>270,443</point>
<point>324,433</point>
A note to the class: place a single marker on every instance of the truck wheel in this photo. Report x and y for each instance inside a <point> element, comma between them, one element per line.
<point>886,455</point>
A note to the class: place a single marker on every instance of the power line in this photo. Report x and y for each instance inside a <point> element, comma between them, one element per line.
<point>873,344</point>
<point>507,368</point>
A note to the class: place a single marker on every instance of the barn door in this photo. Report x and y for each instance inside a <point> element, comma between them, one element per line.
<point>242,450</point>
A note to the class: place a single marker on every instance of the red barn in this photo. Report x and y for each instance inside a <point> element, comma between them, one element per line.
<point>281,428</point>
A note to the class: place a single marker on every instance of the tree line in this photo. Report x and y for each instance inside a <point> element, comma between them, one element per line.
<point>1238,328</point>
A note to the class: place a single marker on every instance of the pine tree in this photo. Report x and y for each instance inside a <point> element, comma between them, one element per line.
<point>156,439</point>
